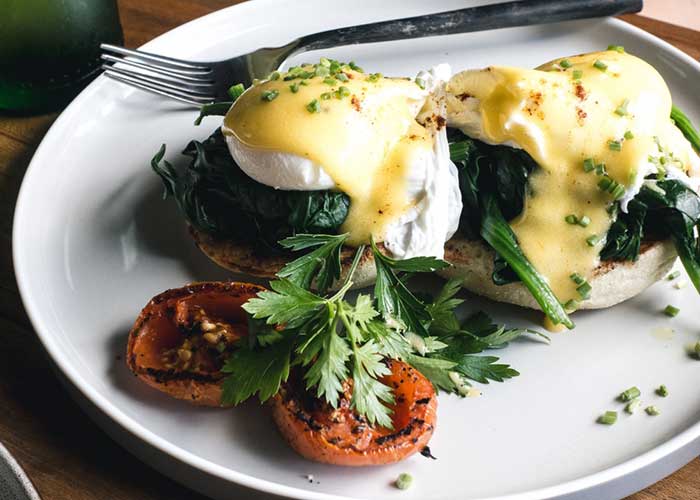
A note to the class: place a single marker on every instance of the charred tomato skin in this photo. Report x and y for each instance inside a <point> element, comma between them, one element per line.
<point>340,436</point>
<point>170,326</point>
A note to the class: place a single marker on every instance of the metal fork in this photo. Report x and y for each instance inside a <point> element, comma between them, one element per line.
<point>198,83</point>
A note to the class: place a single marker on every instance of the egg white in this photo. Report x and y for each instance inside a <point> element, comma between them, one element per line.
<point>432,178</point>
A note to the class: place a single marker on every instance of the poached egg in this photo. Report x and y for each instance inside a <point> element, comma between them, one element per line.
<point>382,141</point>
<point>583,119</point>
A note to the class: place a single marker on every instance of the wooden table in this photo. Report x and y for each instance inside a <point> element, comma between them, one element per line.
<point>63,452</point>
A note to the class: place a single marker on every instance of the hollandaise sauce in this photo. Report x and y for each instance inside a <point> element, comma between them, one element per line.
<point>360,128</point>
<point>593,123</point>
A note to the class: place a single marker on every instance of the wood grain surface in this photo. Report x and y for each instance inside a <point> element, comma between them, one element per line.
<point>63,452</point>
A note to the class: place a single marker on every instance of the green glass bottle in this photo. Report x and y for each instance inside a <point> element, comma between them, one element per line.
<point>49,49</point>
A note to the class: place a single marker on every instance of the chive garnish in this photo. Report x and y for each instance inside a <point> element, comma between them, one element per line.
<point>614,145</point>
<point>571,305</point>
<point>617,48</point>
<point>421,83</point>
<point>325,62</point>
<point>404,481</point>
<point>584,221</point>
<point>274,76</point>
<point>322,71</point>
<point>671,311</point>
<point>621,110</point>
<point>673,275</point>
<point>588,165</point>
<point>592,240</point>
<point>294,87</point>
<point>608,418</point>
<point>325,96</point>
<point>604,183</point>
<point>235,91</point>
<point>342,77</point>
<point>662,391</point>
<point>577,278</point>
<point>618,191</point>
<point>630,394</point>
<point>374,77</point>
<point>571,219</point>
<point>314,106</point>
<point>269,95</point>
<point>341,92</point>
<point>355,67</point>
<point>600,169</point>
<point>598,64</point>
<point>696,349</point>
<point>584,290</point>
<point>633,405</point>
<point>652,410</point>
<point>577,74</point>
<point>565,63</point>
<point>629,135</point>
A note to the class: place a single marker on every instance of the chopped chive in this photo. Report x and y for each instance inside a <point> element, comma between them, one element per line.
<point>274,76</point>
<point>314,106</point>
<point>600,169</point>
<point>577,278</point>
<point>652,410</point>
<point>608,418</point>
<point>335,67</point>
<point>630,394</point>
<point>571,219</point>
<point>680,285</point>
<point>662,391</point>
<point>577,74</point>
<point>671,311</point>
<point>614,145</point>
<point>633,405</point>
<point>592,240</point>
<point>294,87</point>
<point>355,67</point>
<point>571,305</point>
<point>329,81</point>
<point>304,83</point>
<point>588,165</point>
<point>235,91</point>
<point>617,48</point>
<point>584,221</point>
<point>374,77</point>
<point>565,63</point>
<point>598,64</point>
<point>621,110</point>
<point>404,481</point>
<point>341,92</point>
<point>325,62</point>
<point>342,77</point>
<point>604,183</point>
<point>325,96</point>
<point>584,290</point>
<point>322,71</point>
<point>421,83</point>
<point>696,349</point>
<point>269,95</point>
<point>629,135</point>
<point>673,275</point>
<point>618,191</point>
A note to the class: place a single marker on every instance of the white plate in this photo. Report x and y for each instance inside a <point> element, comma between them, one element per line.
<point>93,242</point>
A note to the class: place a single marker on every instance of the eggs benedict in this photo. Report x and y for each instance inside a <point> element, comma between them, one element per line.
<point>366,154</point>
<point>581,157</point>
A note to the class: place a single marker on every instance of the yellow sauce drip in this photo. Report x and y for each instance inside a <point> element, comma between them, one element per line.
<point>364,141</point>
<point>561,121</point>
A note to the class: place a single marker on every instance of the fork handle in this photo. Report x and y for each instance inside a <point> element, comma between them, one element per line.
<point>485,17</point>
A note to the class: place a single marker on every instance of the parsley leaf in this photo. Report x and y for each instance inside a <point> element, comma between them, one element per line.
<point>322,264</point>
<point>256,371</point>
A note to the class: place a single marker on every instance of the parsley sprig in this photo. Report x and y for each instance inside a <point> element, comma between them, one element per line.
<point>331,339</point>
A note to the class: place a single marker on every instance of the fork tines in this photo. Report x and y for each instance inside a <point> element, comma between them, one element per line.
<point>181,80</point>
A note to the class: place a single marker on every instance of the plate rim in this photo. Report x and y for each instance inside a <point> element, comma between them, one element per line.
<point>617,472</point>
